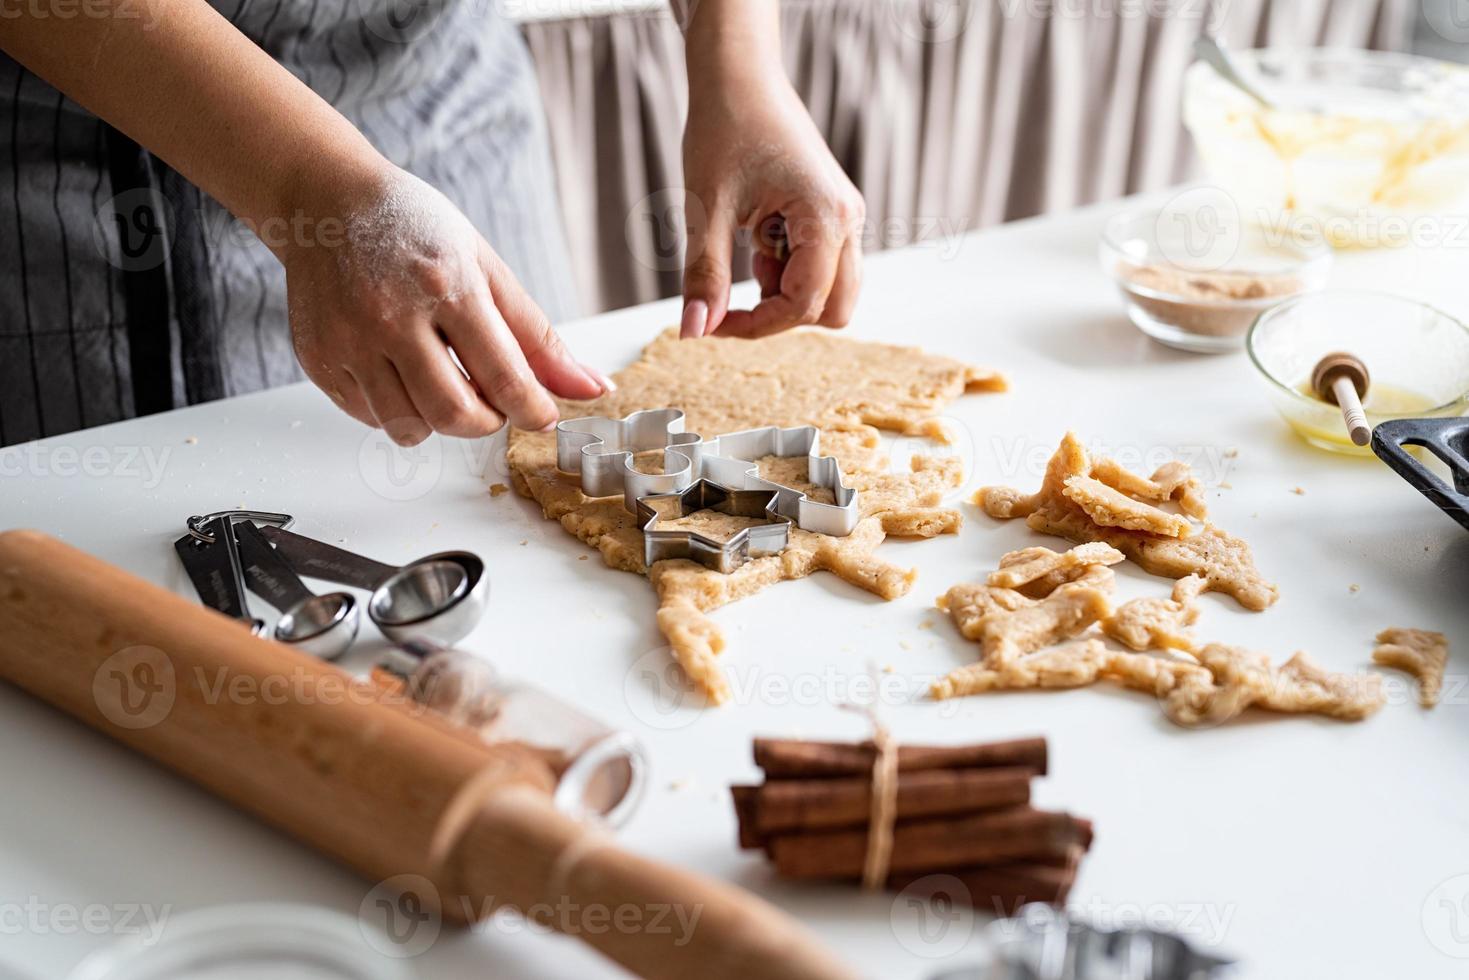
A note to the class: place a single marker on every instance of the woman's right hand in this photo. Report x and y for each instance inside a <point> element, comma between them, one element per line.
<point>376,314</point>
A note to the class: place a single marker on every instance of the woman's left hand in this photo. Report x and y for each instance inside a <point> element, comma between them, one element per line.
<point>754,160</point>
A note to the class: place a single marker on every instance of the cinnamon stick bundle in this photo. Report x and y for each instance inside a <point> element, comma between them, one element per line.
<point>960,818</point>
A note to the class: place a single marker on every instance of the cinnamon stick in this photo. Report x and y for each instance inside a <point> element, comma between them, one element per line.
<point>999,889</point>
<point>992,837</point>
<point>796,759</point>
<point>744,804</point>
<point>810,804</point>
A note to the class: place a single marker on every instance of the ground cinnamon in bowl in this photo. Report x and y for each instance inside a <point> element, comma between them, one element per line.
<point>1209,304</point>
<point>1195,278</point>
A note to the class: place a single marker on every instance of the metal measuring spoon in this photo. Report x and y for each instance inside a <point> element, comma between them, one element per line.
<point>321,625</point>
<point>212,562</point>
<point>436,599</point>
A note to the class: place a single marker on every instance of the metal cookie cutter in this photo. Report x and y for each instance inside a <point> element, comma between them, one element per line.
<point>601,450</point>
<point>725,556</point>
<point>730,460</point>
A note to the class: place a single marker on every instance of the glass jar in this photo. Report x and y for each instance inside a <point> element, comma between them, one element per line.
<point>600,772</point>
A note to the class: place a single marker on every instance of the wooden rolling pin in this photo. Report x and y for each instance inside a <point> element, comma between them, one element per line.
<point>379,787</point>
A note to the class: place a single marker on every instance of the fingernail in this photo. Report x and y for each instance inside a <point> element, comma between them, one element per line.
<point>695,316</point>
<point>606,383</point>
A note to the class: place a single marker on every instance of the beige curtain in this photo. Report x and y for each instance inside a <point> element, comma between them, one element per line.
<point>948,114</point>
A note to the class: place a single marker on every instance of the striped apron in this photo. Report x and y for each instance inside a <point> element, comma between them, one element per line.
<point>127,291</point>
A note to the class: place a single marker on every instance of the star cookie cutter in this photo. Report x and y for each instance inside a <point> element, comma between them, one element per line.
<point>755,541</point>
<point>601,450</point>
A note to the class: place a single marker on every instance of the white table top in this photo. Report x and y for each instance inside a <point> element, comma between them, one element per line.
<point>1306,846</point>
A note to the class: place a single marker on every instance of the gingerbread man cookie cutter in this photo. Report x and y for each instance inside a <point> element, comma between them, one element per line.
<point>601,450</point>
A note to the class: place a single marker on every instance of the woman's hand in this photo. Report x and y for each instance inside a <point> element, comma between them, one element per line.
<point>376,314</point>
<point>754,160</point>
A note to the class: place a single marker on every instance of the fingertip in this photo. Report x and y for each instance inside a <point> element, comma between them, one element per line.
<point>695,321</point>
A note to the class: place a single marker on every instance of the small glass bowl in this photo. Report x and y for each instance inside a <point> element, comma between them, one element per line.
<point>1194,277</point>
<point>251,941</point>
<point>1417,357</point>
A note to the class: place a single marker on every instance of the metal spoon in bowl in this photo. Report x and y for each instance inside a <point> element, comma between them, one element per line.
<point>1211,50</point>
<point>321,625</point>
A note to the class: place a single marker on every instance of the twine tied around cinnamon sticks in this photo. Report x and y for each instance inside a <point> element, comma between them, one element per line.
<point>884,810</point>
<point>894,816</point>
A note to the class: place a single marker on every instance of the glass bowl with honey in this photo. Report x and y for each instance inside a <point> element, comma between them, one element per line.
<point>1417,356</point>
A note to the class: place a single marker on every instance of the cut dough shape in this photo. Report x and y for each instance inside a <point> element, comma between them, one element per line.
<point>1422,653</point>
<point>1155,623</point>
<point>1223,561</point>
<point>1113,508</point>
<point>725,384</point>
<point>1031,565</point>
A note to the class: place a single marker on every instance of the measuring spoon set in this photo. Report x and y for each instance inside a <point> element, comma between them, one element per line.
<point>435,600</point>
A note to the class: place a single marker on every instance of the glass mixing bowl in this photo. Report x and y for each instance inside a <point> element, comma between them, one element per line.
<point>1417,357</point>
<point>1361,148</point>
<point>1193,277</point>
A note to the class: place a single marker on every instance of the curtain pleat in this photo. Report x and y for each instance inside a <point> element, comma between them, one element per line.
<point>947,115</point>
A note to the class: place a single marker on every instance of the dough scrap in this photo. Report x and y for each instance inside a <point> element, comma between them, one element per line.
<point>1242,678</point>
<point>1422,653</point>
<point>1073,664</point>
<point>1113,508</point>
<point>846,387</point>
<point>1172,481</point>
<point>1031,566</point>
<point>1155,623</point>
<point>1223,561</point>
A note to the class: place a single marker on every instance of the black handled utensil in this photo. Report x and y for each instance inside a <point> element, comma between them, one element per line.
<point>1448,439</point>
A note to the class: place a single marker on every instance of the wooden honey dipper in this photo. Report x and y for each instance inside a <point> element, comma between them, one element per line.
<point>1342,379</point>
